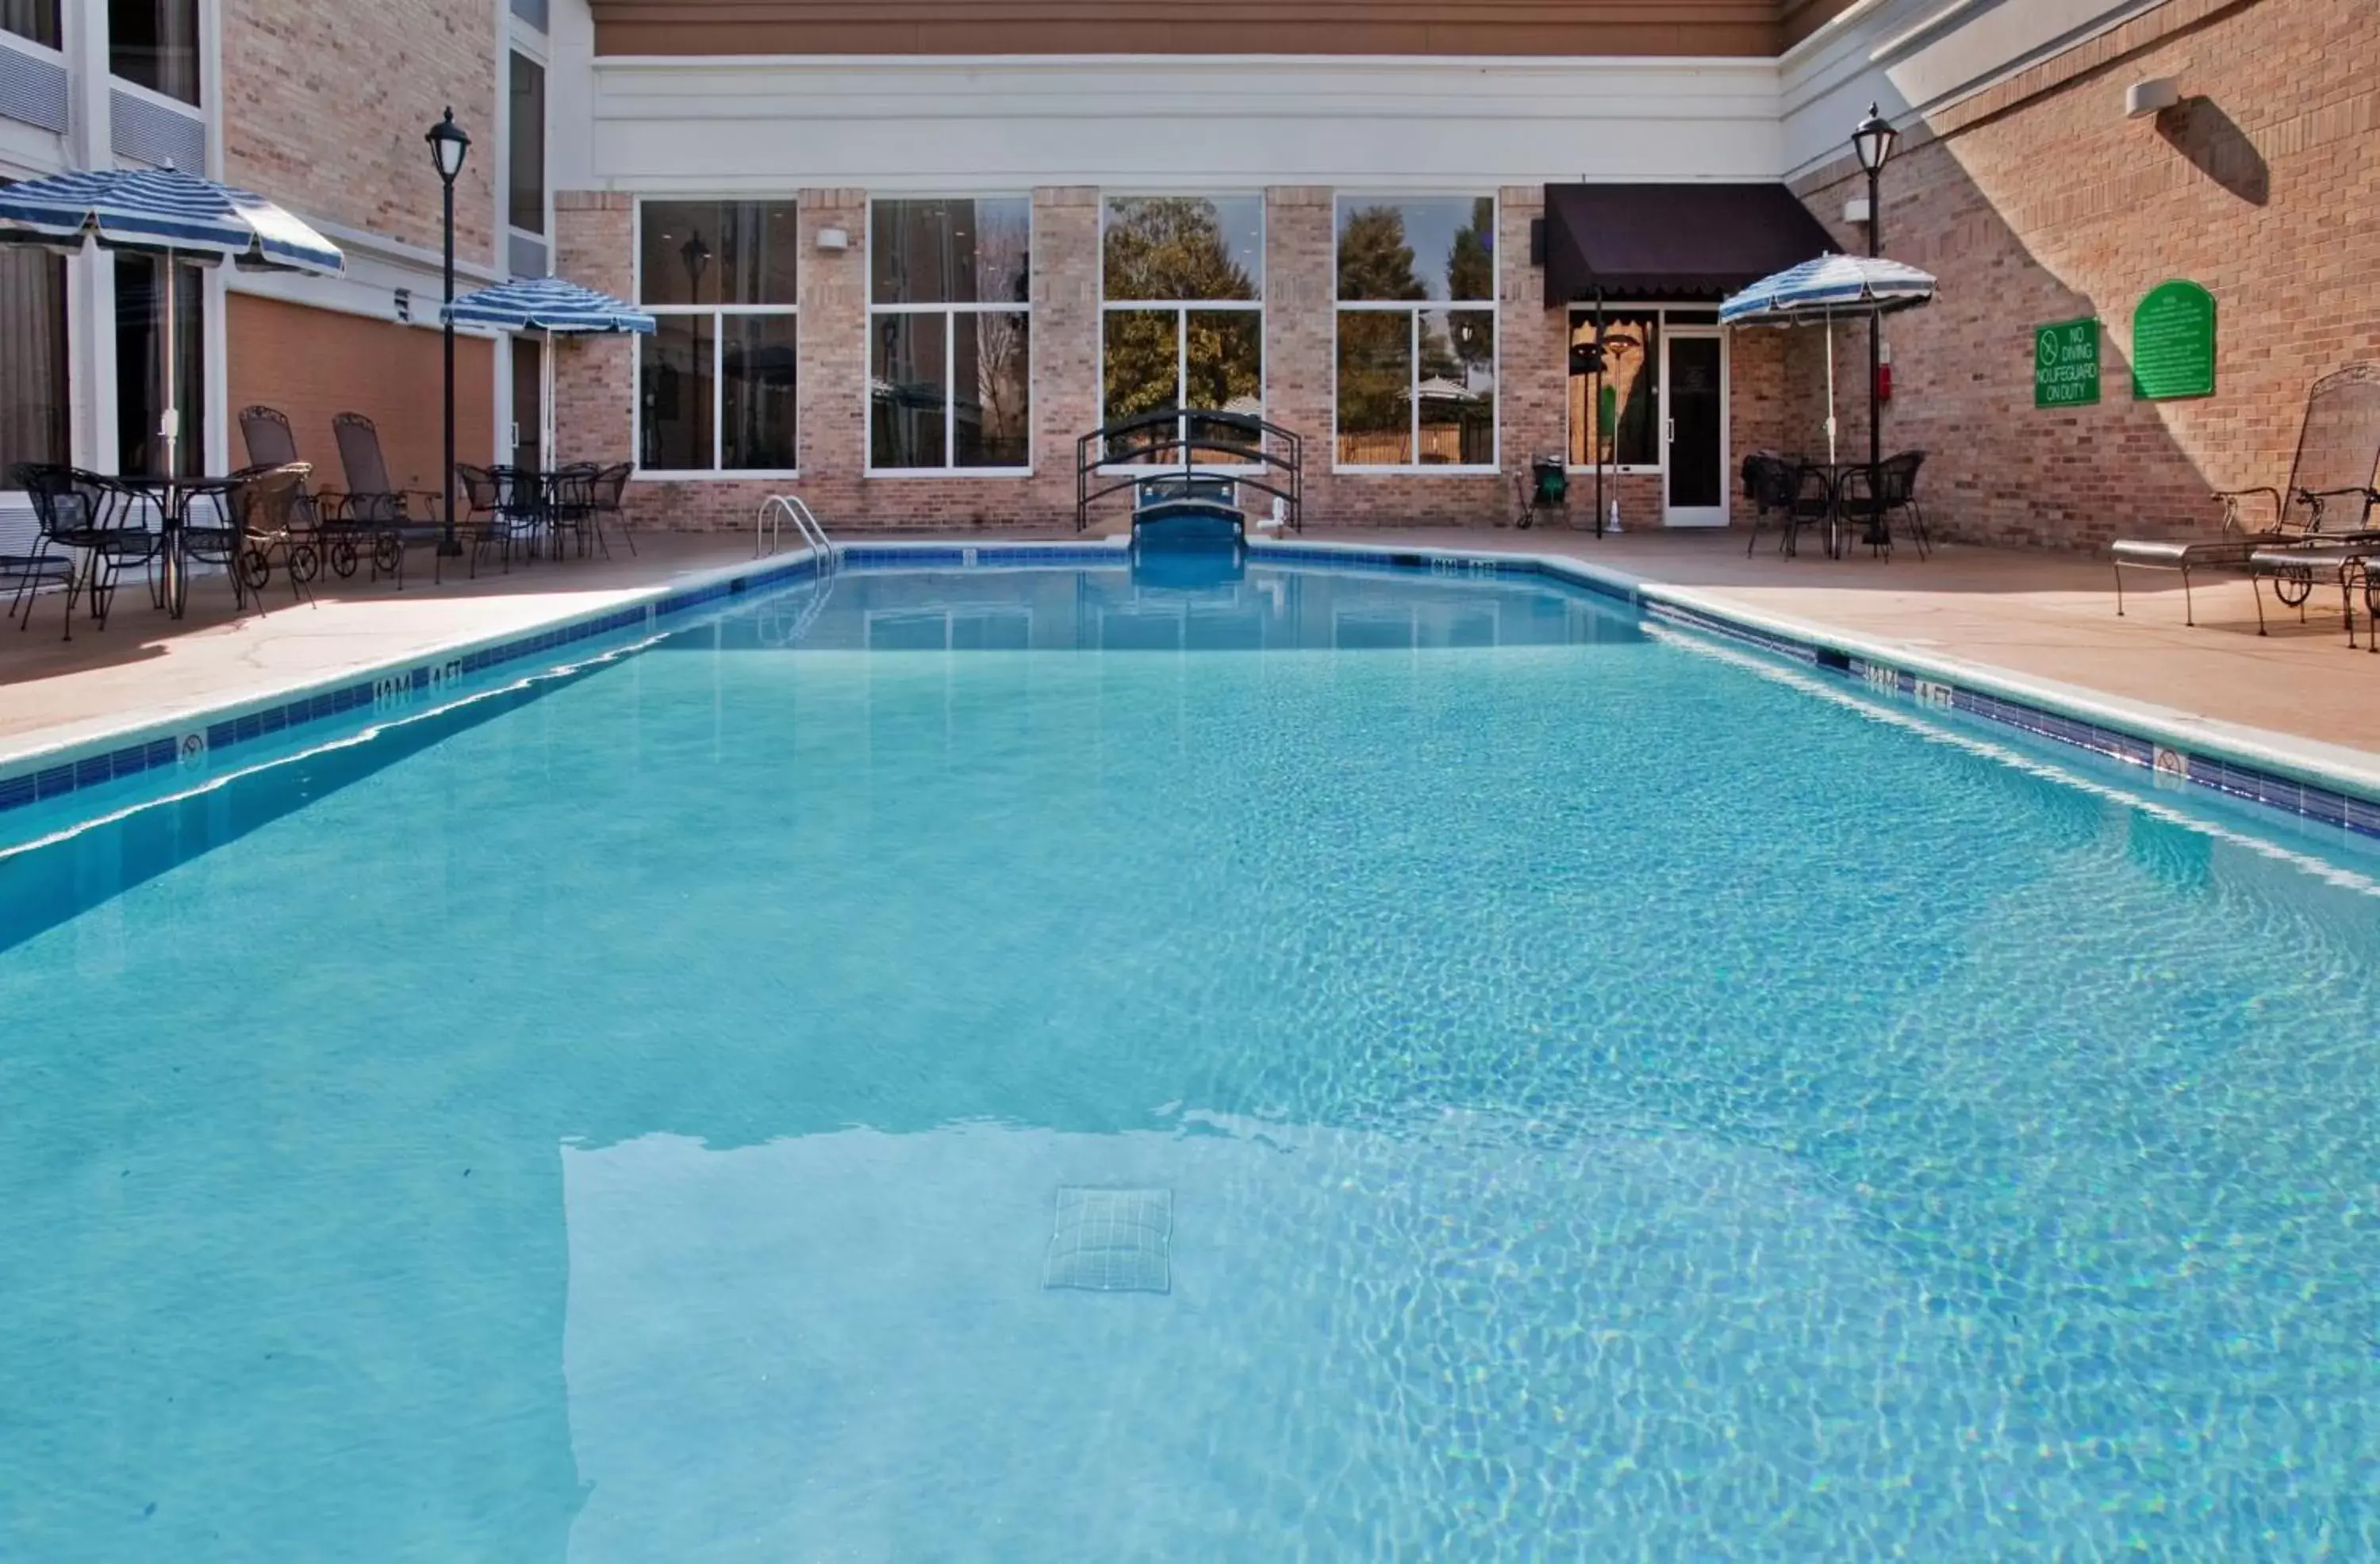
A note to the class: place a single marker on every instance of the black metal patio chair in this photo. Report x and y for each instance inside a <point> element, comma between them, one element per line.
<point>605,493</point>
<point>2329,495</point>
<point>1897,490</point>
<point>570,507</point>
<point>1798,494</point>
<point>250,522</point>
<point>112,527</point>
<point>47,485</point>
<point>373,513</point>
<point>502,508</point>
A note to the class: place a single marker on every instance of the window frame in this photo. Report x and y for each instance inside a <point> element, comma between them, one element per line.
<point>1182,310</point>
<point>870,309</point>
<point>207,84</point>
<point>50,51</point>
<point>1661,312</point>
<point>714,473</point>
<point>63,368</point>
<point>517,49</point>
<point>1415,308</point>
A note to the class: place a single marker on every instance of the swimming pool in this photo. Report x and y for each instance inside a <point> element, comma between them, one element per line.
<point>1554,1086</point>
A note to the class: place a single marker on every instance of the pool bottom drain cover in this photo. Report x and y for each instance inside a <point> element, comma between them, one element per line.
<point>1112,1241</point>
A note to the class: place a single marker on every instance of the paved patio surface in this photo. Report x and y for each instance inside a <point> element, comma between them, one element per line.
<point>2044,616</point>
<point>2041,616</point>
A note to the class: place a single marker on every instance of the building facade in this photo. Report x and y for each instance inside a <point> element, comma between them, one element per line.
<point>905,256</point>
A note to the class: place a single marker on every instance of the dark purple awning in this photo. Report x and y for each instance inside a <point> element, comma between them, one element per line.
<point>1673,241</point>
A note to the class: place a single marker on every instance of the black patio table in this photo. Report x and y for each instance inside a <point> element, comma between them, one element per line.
<point>1880,531</point>
<point>172,496</point>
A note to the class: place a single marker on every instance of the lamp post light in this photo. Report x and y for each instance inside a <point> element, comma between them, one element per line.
<point>696,255</point>
<point>448,146</point>
<point>1872,143</point>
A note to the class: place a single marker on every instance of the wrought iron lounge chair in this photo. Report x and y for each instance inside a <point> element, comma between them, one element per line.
<point>374,511</point>
<point>271,444</point>
<point>2352,566</point>
<point>2338,445</point>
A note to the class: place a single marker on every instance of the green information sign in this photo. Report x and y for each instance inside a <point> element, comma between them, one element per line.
<point>2173,342</point>
<point>2066,364</point>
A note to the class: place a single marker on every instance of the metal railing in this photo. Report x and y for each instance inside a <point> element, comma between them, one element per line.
<point>768,527</point>
<point>1185,444</point>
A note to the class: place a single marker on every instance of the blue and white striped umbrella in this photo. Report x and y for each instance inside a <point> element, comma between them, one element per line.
<point>163,210</point>
<point>557,309</point>
<point>1832,285</point>
<point>551,305</point>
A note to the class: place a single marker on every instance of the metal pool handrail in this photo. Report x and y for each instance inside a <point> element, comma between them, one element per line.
<point>775,511</point>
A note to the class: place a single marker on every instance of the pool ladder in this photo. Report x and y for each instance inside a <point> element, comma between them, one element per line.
<point>769,526</point>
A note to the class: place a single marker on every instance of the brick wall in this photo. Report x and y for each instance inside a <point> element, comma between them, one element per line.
<point>2039,202</point>
<point>313,363</point>
<point>324,108</point>
<point>594,378</point>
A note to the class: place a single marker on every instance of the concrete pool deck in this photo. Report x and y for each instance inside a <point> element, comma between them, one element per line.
<point>2041,617</point>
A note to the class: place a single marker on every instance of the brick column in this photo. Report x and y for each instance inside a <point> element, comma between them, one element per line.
<point>833,393</point>
<point>1533,359</point>
<point>594,414</point>
<point>1301,334</point>
<point>1065,344</point>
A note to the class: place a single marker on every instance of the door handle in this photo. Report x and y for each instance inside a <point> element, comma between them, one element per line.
<point>1670,437</point>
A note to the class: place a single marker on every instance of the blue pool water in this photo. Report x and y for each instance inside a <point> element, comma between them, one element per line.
<point>1616,1099</point>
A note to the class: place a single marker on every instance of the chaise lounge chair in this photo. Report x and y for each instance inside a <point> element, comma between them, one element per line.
<point>373,511</point>
<point>2339,444</point>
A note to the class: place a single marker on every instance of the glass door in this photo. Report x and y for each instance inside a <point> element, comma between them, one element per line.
<point>529,404</point>
<point>1694,410</point>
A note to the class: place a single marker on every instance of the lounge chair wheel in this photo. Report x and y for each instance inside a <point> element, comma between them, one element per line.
<point>2293,587</point>
<point>343,557</point>
<point>388,553</point>
<point>255,569</point>
<point>305,561</point>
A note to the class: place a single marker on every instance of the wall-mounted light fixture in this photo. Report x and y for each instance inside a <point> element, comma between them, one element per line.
<point>2142,99</point>
<point>834,241</point>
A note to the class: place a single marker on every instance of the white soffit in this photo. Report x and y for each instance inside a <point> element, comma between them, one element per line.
<point>727,125</point>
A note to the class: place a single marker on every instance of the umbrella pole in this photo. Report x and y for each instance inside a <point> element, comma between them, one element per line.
<point>169,424</point>
<point>1830,389</point>
<point>1874,425</point>
<point>545,405</point>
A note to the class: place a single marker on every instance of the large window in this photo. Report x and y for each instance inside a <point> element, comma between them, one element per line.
<point>141,367</point>
<point>525,147</point>
<point>36,19</point>
<point>33,425</point>
<point>155,43</point>
<point>715,384</point>
<point>1623,415</point>
<point>1181,320</point>
<point>950,333</point>
<point>1417,332</point>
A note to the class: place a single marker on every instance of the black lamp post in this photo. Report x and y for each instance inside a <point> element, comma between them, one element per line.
<point>1872,143</point>
<point>447,146</point>
<point>696,255</point>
